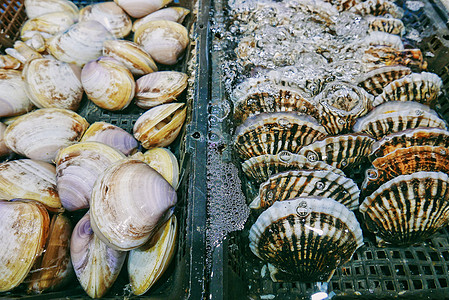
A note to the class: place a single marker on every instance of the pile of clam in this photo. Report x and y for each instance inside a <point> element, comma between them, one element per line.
<point>317,104</point>
<point>62,163</point>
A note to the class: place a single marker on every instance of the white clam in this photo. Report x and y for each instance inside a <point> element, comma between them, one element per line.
<point>35,8</point>
<point>13,99</point>
<point>164,162</point>
<point>3,149</point>
<point>139,8</point>
<point>51,23</point>
<point>175,14</point>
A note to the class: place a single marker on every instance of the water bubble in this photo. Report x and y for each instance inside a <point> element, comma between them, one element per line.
<point>320,185</point>
<point>372,174</point>
<point>312,156</point>
<point>285,156</point>
<point>302,210</point>
<point>285,123</point>
<point>419,112</point>
<point>344,163</point>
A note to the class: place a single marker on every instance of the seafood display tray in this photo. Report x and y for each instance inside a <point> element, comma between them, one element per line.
<point>184,278</point>
<point>415,272</point>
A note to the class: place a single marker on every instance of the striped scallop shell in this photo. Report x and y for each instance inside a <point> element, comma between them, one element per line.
<point>375,80</point>
<point>383,56</point>
<point>409,208</point>
<point>342,151</point>
<point>378,8</point>
<point>260,168</point>
<point>420,87</point>
<point>307,238</point>
<point>379,38</point>
<point>271,133</point>
<point>302,183</point>
<point>404,161</point>
<point>388,25</point>
<point>396,116</point>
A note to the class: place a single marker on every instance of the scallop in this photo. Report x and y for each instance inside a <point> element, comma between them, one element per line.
<point>375,81</point>
<point>378,8</point>
<point>382,56</point>
<point>388,25</point>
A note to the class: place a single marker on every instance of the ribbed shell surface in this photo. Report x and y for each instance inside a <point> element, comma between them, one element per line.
<point>375,81</point>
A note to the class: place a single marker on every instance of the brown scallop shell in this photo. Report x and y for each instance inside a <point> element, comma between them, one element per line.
<point>375,80</point>
<point>385,24</point>
<point>378,8</point>
<point>376,57</point>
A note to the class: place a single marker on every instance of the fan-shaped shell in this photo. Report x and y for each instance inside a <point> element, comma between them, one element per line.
<point>420,87</point>
<point>378,8</point>
<point>409,208</point>
<point>342,151</point>
<point>110,15</point>
<point>159,87</point>
<point>23,232</point>
<point>260,168</point>
<point>159,126</point>
<point>271,133</point>
<point>396,116</point>
<point>129,201</point>
<point>388,25</point>
<point>375,80</point>
<point>111,135</point>
<point>175,14</point>
<point>29,179</point>
<point>96,265</point>
<point>307,238</point>
<point>137,60</point>
<point>147,264</point>
<point>138,8</point>
<point>41,133</point>
<point>302,183</point>
<point>53,83</point>
<point>77,168</point>
<point>35,8</point>
<point>381,56</point>
<point>13,99</point>
<point>379,38</point>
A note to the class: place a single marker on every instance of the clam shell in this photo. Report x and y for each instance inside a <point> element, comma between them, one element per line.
<point>77,168</point>
<point>378,8</point>
<point>23,52</point>
<point>9,62</point>
<point>52,83</point>
<point>159,88</point>
<point>159,126</point>
<point>53,268</point>
<point>302,183</point>
<point>174,14</point>
<point>261,167</point>
<point>341,104</point>
<point>23,232</point>
<point>307,238</point>
<point>111,135</point>
<point>138,8</point>
<point>35,8</point>
<point>405,161</point>
<point>129,201</point>
<point>51,23</point>
<point>146,266</point>
<point>165,163</point>
<point>13,99</point>
<point>271,133</point>
<point>409,208</point>
<point>396,116</point>
<point>409,138</point>
<point>376,57</point>
<point>41,133</point>
<point>110,15</point>
<point>108,83</point>
<point>375,81</point>
<point>131,55</point>
<point>81,43</point>
<point>3,149</point>
<point>342,151</point>
<point>96,265</point>
<point>29,179</point>
<point>388,25</point>
<point>164,40</point>
<point>420,87</point>
<point>36,41</point>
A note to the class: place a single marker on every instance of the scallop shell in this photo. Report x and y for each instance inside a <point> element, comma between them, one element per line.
<point>302,183</point>
<point>23,232</point>
<point>50,23</point>
<point>35,8</point>
<point>343,5</point>
<point>396,116</point>
<point>378,8</point>
<point>29,179</point>
<point>77,168</point>
<point>13,99</point>
<point>375,80</point>
<point>138,9</point>
<point>165,163</point>
<point>96,265</point>
<point>342,151</point>
<point>146,266</point>
<point>261,167</point>
<point>271,133</point>
<point>81,43</point>
<point>340,104</point>
<point>405,161</point>
<point>159,126</point>
<point>110,15</point>
<point>420,87</point>
<point>409,138</point>
<point>388,25</point>
<point>129,201</point>
<point>379,38</point>
<point>111,135</point>
<point>174,14</point>
<point>108,83</point>
<point>137,60</point>
<point>409,208</point>
<point>381,56</point>
<point>307,238</point>
<point>164,40</point>
<point>159,88</point>
<point>41,133</point>
<point>53,269</point>
<point>52,83</point>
